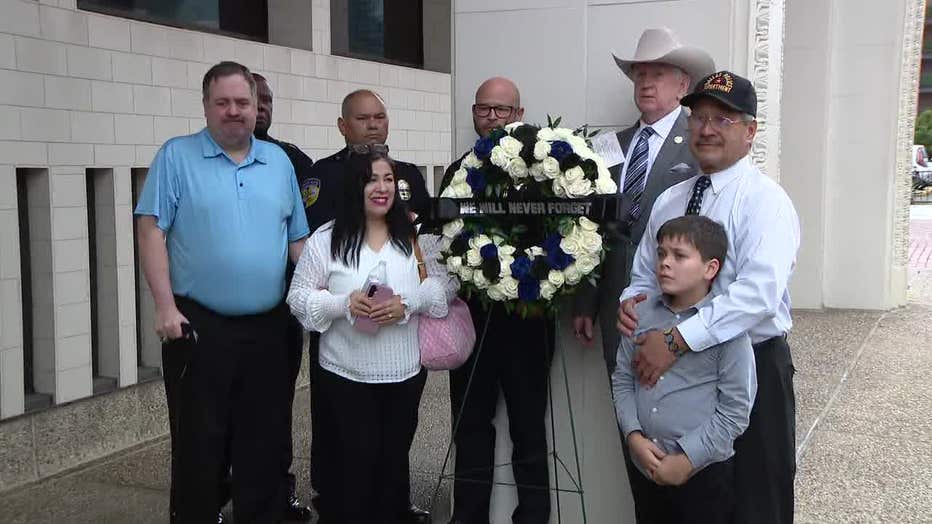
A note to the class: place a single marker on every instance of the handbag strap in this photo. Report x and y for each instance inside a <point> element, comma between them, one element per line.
<point>419,255</point>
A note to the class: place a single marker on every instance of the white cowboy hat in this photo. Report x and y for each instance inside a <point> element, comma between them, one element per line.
<point>661,45</point>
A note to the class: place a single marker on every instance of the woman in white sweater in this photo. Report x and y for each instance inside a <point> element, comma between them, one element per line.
<point>371,384</point>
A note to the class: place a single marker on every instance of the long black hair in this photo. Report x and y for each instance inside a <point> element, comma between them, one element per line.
<point>349,227</point>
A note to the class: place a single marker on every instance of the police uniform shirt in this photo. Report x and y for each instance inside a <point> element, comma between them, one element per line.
<point>302,167</point>
<point>326,182</point>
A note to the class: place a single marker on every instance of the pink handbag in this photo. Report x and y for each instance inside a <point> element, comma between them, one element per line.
<point>447,342</point>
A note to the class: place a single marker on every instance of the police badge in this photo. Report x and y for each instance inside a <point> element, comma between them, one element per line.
<point>404,189</point>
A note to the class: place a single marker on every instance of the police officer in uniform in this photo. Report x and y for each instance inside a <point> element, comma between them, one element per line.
<point>363,120</point>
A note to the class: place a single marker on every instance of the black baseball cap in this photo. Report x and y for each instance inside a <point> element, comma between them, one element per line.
<point>728,88</point>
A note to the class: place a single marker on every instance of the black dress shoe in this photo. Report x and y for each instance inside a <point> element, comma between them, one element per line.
<point>416,515</point>
<point>296,511</point>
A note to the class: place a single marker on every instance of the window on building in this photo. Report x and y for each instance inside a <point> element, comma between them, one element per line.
<point>414,33</point>
<point>240,18</point>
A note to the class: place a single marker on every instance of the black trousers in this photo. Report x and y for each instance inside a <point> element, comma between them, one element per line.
<point>765,455</point>
<point>295,336</point>
<point>373,428</point>
<point>321,428</point>
<point>226,399</point>
<point>706,498</point>
<point>516,358</point>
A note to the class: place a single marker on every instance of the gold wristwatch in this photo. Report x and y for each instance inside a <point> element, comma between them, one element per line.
<point>672,346</point>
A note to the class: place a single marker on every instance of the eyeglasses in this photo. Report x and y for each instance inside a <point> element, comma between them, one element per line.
<point>718,122</point>
<point>483,110</point>
<point>368,149</point>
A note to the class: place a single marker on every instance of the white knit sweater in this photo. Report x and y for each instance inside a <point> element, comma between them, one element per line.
<point>319,299</point>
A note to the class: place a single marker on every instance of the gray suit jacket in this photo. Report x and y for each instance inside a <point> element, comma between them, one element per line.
<point>674,163</point>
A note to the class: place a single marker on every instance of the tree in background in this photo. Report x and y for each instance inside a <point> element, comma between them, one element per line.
<point>924,129</point>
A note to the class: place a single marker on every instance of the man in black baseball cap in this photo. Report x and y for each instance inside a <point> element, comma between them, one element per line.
<point>751,294</point>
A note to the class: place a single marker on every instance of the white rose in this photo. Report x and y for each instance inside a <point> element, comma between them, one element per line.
<point>451,229</point>
<point>459,176</point>
<point>509,286</point>
<point>558,189</point>
<point>551,167</point>
<point>462,191</point>
<point>506,250</point>
<point>579,188</point>
<point>511,145</point>
<point>496,294</point>
<point>499,157</point>
<point>478,241</point>
<point>512,126</point>
<point>471,160</point>
<point>556,278</point>
<point>466,273</point>
<point>574,174</point>
<point>505,264</point>
<point>571,245</point>
<point>587,225</point>
<point>578,144</point>
<point>449,192</point>
<point>586,263</point>
<point>605,185</point>
<point>541,149</point>
<point>546,134</point>
<point>591,242</point>
<point>536,172</point>
<point>547,290</point>
<point>572,274</point>
<point>564,133</point>
<point>517,169</point>
<point>454,264</point>
<point>479,279</point>
<point>473,258</point>
<point>535,251</point>
<point>445,244</point>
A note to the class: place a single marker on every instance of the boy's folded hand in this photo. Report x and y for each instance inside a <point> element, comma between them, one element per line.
<point>645,452</point>
<point>674,470</point>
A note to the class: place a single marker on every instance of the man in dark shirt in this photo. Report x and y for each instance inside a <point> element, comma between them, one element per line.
<point>363,120</point>
<point>515,360</point>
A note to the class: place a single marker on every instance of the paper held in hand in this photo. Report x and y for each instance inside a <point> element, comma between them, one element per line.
<point>606,145</point>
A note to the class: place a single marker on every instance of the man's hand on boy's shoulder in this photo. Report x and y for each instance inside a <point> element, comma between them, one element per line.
<point>674,470</point>
<point>647,454</point>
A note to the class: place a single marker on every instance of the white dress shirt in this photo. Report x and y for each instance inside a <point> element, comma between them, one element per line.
<point>763,239</point>
<point>661,129</point>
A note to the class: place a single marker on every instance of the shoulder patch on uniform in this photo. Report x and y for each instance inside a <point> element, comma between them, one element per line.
<point>404,189</point>
<point>310,190</point>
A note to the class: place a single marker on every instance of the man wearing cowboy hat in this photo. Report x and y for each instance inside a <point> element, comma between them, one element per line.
<point>656,157</point>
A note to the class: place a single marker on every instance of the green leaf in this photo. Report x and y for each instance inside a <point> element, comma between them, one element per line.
<point>557,121</point>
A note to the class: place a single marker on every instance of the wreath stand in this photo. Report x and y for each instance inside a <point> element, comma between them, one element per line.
<point>558,464</point>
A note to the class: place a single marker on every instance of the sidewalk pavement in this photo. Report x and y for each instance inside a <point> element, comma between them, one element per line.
<point>864,428</point>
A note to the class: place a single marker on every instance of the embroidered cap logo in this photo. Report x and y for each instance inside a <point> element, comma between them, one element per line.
<point>723,82</point>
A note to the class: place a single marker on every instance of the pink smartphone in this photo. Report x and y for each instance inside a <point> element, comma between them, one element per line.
<point>377,294</point>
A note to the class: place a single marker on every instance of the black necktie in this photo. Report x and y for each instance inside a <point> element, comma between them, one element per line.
<point>634,177</point>
<point>695,201</point>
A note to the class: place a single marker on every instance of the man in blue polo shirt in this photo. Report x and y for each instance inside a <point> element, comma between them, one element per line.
<point>219,215</point>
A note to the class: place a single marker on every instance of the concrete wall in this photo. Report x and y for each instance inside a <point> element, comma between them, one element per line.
<point>559,52</point>
<point>843,82</point>
<point>84,94</point>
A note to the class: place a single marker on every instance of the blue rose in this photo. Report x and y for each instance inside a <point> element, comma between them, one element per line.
<point>558,150</point>
<point>476,180</point>
<point>556,257</point>
<point>489,251</point>
<point>521,267</point>
<point>483,148</point>
<point>528,289</point>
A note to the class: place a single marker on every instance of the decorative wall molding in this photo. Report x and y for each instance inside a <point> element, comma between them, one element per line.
<point>913,21</point>
<point>766,73</point>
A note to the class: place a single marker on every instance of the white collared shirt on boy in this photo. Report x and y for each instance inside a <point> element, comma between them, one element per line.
<point>751,294</point>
